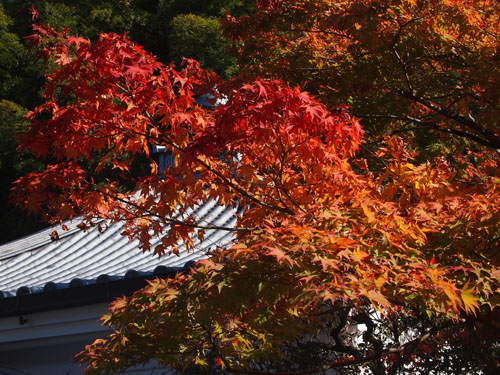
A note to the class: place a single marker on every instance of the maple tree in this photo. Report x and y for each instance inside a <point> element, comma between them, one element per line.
<point>158,25</point>
<point>323,242</point>
<point>425,66</point>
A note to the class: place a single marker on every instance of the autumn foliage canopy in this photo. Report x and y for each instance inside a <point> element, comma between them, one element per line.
<point>401,226</point>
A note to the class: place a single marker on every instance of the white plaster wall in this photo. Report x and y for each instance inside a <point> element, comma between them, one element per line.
<point>48,341</point>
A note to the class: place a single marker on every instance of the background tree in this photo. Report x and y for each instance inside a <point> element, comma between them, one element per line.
<point>322,242</point>
<point>13,164</point>
<point>201,39</point>
<point>20,81</point>
<point>148,22</point>
<point>189,29</point>
<point>420,67</point>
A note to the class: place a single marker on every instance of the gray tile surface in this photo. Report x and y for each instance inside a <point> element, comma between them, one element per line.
<point>35,260</point>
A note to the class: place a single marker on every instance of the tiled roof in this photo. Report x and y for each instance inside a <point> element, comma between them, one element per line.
<point>36,263</point>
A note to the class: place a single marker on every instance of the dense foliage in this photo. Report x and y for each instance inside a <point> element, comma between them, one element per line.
<point>426,67</point>
<point>380,256</point>
<point>170,29</point>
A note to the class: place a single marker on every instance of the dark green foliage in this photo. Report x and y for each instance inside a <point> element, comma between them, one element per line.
<point>187,28</point>
<point>201,39</point>
<point>208,8</point>
<point>87,18</point>
<point>148,22</point>
<point>11,52</point>
<point>21,74</point>
<point>13,222</point>
<point>21,77</point>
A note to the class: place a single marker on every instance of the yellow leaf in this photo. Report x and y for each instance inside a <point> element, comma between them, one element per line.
<point>368,213</point>
<point>380,281</point>
<point>378,298</point>
<point>470,300</point>
<point>360,255</point>
<point>200,361</point>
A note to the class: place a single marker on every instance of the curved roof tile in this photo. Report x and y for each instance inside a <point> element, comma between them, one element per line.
<point>35,263</point>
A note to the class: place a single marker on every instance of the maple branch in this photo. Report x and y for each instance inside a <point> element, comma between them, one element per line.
<point>277,179</point>
<point>372,355</point>
<point>492,364</point>
<point>489,321</point>
<point>243,192</point>
<point>429,125</point>
<point>213,344</point>
<point>14,370</point>
<point>434,56</point>
<point>433,126</point>
<point>214,171</point>
<point>174,221</point>
<point>283,157</point>
<point>493,141</point>
<point>403,66</point>
<point>490,34</point>
<point>335,333</point>
<point>225,179</point>
<point>364,317</point>
<point>336,33</point>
